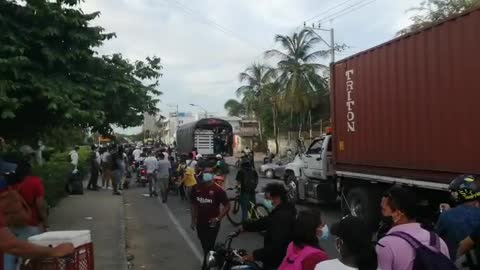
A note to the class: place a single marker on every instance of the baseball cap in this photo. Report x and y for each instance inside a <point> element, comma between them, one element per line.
<point>199,156</point>
<point>353,231</point>
<point>219,156</point>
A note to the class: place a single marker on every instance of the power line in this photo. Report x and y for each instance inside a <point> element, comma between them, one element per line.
<point>328,10</point>
<point>346,11</point>
<point>210,22</point>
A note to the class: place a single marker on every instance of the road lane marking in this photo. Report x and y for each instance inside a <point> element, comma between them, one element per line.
<point>182,232</point>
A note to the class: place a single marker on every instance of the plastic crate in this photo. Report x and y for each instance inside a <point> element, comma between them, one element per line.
<point>81,259</point>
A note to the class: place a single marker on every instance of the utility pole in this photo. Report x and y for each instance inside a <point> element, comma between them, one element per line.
<point>205,110</point>
<point>331,46</point>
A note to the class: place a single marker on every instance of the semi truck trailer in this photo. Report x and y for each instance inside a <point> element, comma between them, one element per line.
<point>404,112</point>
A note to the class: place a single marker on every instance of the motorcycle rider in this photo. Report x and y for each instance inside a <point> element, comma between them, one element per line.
<point>455,224</point>
<point>279,225</point>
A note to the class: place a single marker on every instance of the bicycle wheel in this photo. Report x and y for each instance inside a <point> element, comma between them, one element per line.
<point>259,211</point>
<point>234,215</point>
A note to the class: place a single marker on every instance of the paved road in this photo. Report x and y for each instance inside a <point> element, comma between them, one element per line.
<point>160,235</point>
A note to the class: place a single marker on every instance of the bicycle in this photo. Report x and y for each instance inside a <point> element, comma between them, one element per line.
<point>234,215</point>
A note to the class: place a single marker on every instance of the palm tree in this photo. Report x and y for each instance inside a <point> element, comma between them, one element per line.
<point>298,72</point>
<point>255,77</point>
<point>272,94</point>
<point>234,107</point>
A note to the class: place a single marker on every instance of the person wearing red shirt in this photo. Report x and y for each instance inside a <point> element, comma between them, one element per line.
<point>12,245</point>
<point>32,190</point>
<point>209,206</point>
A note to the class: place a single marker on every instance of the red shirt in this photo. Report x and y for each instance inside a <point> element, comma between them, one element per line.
<point>207,199</point>
<point>31,189</point>
<point>2,226</point>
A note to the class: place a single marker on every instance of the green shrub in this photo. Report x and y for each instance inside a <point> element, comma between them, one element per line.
<point>54,175</point>
<point>56,172</point>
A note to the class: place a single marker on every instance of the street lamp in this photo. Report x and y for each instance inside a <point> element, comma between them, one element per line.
<point>196,105</point>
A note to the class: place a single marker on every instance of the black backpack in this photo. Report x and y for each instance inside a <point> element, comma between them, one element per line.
<point>426,258</point>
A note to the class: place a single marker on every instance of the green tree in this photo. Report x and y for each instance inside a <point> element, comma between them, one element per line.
<point>298,72</point>
<point>432,11</point>
<point>234,107</point>
<point>255,78</point>
<point>51,77</point>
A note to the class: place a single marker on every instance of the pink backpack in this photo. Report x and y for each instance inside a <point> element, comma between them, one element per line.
<point>295,257</point>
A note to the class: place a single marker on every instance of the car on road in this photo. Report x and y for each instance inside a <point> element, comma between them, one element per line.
<point>273,170</point>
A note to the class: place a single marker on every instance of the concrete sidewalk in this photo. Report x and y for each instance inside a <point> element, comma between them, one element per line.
<point>104,215</point>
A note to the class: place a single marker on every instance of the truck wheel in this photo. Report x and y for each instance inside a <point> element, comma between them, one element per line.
<point>363,203</point>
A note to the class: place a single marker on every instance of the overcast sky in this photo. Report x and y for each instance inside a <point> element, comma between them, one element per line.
<point>205,44</point>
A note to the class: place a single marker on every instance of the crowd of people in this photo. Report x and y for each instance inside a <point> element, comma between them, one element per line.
<point>291,239</point>
<point>406,245</point>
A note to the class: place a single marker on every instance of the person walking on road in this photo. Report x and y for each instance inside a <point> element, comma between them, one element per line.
<point>189,180</point>
<point>354,245</point>
<point>117,170</point>
<point>247,179</point>
<point>163,176</point>
<point>106,158</point>
<point>209,205</point>
<point>94,169</point>
<point>279,225</point>
<point>151,164</point>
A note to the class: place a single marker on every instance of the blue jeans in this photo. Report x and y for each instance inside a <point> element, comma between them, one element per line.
<point>245,199</point>
<point>10,261</point>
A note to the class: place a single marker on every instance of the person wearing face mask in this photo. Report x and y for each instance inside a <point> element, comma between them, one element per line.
<point>304,252</point>
<point>209,205</point>
<point>278,227</point>
<point>354,245</point>
<point>394,251</point>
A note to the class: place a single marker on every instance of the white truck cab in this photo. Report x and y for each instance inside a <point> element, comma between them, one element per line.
<point>312,171</point>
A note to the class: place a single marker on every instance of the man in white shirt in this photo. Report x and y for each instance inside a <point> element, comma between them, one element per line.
<point>151,164</point>
<point>74,158</point>
<point>137,154</point>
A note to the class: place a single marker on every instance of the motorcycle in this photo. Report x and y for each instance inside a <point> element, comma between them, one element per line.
<point>224,257</point>
<point>141,173</point>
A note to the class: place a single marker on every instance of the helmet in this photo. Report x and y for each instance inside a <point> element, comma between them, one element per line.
<point>219,156</point>
<point>465,188</point>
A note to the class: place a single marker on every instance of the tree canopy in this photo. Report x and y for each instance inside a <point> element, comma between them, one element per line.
<point>234,107</point>
<point>52,77</point>
<point>433,11</point>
